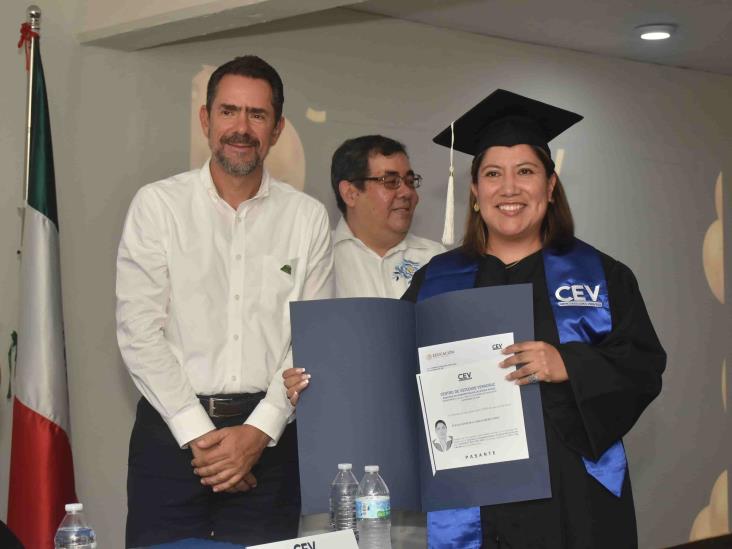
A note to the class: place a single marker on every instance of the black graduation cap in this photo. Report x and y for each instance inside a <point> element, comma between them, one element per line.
<point>506,119</point>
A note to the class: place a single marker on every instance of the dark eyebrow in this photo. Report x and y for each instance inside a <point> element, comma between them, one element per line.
<point>237,108</point>
<point>394,172</point>
<point>529,162</point>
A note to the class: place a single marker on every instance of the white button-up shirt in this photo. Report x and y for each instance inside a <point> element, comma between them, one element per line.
<point>203,295</point>
<point>361,272</point>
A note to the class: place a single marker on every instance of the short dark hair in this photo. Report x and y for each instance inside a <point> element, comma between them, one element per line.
<point>250,66</point>
<point>557,229</point>
<point>438,422</point>
<point>351,161</point>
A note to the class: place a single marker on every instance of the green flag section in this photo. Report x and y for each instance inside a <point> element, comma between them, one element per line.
<point>41,175</point>
<point>41,466</point>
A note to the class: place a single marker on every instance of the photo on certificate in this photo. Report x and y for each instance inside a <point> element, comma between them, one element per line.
<point>473,416</point>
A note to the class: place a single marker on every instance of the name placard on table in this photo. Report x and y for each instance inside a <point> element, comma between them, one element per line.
<point>343,539</point>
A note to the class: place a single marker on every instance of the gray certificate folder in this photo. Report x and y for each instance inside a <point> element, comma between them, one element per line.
<point>362,405</point>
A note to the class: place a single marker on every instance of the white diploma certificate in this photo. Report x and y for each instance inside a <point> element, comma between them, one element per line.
<point>472,414</point>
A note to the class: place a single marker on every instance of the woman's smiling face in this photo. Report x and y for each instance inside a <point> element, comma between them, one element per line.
<point>513,191</point>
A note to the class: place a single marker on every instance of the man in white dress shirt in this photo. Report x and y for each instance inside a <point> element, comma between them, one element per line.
<point>376,191</point>
<point>207,264</point>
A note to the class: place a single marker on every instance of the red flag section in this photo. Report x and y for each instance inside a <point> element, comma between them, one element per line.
<point>41,477</point>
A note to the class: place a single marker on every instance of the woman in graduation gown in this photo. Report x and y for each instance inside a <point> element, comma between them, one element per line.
<point>596,355</point>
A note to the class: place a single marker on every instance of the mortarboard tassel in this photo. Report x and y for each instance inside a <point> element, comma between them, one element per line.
<point>448,233</point>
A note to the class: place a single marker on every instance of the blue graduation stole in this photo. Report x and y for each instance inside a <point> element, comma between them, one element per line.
<point>581,309</point>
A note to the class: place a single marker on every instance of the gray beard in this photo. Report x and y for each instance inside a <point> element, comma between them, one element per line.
<point>239,169</point>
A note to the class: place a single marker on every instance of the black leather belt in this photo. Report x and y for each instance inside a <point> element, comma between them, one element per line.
<point>230,405</point>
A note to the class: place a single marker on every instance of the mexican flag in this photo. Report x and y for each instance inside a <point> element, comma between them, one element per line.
<point>41,468</point>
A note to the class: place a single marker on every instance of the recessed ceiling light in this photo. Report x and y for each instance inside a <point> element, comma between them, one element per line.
<point>660,31</point>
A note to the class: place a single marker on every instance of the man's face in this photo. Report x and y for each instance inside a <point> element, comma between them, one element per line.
<point>386,211</point>
<point>241,127</point>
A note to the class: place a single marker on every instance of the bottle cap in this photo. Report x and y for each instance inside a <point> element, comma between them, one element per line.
<point>73,507</point>
<point>344,466</point>
<point>371,468</point>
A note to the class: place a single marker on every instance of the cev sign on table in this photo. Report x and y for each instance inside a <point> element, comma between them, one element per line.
<point>343,539</point>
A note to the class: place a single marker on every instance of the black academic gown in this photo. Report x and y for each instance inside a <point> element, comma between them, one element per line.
<point>609,385</point>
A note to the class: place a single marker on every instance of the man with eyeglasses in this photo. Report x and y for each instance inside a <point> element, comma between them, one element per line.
<point>376,191</point>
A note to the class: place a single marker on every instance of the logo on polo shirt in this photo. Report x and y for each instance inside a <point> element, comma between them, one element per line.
<point>405,270</point>
<point>578,295</point>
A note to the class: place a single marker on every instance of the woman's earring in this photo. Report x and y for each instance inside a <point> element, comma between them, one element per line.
<point>476,207</point>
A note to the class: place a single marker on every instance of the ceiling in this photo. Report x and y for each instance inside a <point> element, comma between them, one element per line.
<point>703,40</point>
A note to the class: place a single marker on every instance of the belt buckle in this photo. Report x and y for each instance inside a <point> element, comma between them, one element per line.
<point>212,407</point>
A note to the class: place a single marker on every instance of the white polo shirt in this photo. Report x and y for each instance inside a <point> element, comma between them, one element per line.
<point>361,272</point>
<point>203,294</point>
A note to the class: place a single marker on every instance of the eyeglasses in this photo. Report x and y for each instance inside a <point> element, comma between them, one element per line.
<point>393,181</point>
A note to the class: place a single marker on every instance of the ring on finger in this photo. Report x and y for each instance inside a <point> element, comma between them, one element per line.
<point>533,378</point>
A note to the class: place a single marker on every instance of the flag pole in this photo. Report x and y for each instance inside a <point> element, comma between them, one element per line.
<point>33,18</point>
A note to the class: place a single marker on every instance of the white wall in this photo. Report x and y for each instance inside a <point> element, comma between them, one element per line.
<point>640,172</point>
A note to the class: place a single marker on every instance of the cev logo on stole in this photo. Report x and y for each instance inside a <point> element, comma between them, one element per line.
<point>574,296</point>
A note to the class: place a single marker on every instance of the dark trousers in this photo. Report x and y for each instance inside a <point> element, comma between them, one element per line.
<point>167,502</point>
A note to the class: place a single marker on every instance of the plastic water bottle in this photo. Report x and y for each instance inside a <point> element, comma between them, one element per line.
<point>74,532</point>
<point>343,492</point>
<point>373,511</point>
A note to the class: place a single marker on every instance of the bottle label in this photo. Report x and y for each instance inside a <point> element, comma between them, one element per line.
<point>373,507</point>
